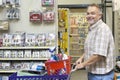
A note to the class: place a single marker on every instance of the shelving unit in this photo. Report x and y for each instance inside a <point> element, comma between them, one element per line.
<point>24,25</point>
<point>22,59</point>
<point>8,71</point>
<point>75,30</point>
<point>11,60</point>
<point>78,31</point>
<point>63,30</point>
<point>27,48</point>
<point>19,60</point>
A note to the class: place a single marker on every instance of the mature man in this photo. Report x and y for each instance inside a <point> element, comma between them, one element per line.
<point>98,57</point>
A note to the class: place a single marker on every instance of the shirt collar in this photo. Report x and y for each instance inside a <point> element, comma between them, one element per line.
<point>94,26</point>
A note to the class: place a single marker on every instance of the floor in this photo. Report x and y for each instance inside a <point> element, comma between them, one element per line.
<point>79,75</point>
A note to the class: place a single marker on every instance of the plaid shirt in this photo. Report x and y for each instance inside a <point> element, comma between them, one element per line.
<point>100,41</point>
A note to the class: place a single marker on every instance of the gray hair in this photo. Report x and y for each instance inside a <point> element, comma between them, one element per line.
<point>97,6</point>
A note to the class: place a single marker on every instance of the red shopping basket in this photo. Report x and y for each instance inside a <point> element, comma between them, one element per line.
<point>53,67</point>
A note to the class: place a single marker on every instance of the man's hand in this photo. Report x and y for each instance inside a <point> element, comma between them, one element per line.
<point>79,66</point>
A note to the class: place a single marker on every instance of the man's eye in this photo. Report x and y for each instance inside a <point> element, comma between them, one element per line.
<point>88,13</point>
<point>93,13</point>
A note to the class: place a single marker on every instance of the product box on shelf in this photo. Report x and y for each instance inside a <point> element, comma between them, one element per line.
<point>75,52</point>
<point>41,54</point>
<point>20,53</point>
<point>14,54</point>
<point>7,54</point>
<point>45,54</point>
<point>74,46</point>
<point>18,39</point>
<point>27,54</point>
<point>26,65</point>
<point>6,65</point>
<point>40,39</point>
<point>74,39</point>
<point>4,77</point>
<point>16,65</point>
<point>7,40</point>
<point>81,41</point>
<point>48,16</point>
<point>1,54</point>
<point>35,54</point>
<point>50,39</point>
<point>47,2</point>
<point>30,39</point>
<point>74,30</point>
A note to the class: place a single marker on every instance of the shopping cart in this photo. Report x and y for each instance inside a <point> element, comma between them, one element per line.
<point>45,77</point>
<point>53,69</point>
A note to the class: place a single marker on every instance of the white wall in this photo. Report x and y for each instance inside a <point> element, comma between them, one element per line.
<point>78,1</point>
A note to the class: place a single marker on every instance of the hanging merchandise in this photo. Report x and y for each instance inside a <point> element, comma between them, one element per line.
<point>47,2</point>
<point>13,13</point>
<point>48,16</point>
<point>62,17</point>
<point>35,16</point>
<point>11,3</point>
<point>4,25</point>
<point>63,27</point>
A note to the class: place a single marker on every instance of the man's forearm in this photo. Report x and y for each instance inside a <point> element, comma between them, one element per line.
<point>93,59</point>
<point>80,59</point>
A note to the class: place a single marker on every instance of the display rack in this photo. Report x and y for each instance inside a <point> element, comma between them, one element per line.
<point>47,25</point>
<point>21,59</point>
<point>77,34</point>
<point>63,30</point>
<point>75,41</point>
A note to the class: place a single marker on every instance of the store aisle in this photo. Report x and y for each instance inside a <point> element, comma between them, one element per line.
<point>79,75</point>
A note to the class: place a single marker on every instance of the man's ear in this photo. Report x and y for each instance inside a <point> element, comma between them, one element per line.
<point>100,16</point>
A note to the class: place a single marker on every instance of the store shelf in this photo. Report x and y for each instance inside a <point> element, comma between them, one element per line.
<point>8,71</point>
<point>77,56</point>
<point>77,35</point>
<point>74,27</point>
<point>2,48</point>
<point>21,59</point>
<point>74,34</point>
<point>76,43</point>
